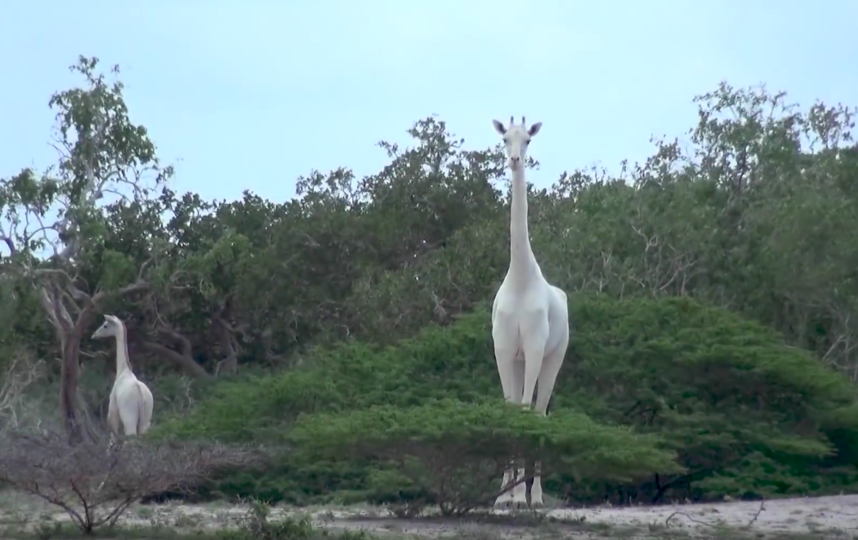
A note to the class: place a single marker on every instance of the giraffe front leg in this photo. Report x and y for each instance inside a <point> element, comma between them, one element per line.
<point>519,492</point>
<point>512,379</point>
<point>504,500</point>
<point>534,348</point>
<point>536,489</point>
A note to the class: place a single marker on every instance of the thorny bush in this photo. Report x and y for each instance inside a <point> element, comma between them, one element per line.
<point>95,481</point>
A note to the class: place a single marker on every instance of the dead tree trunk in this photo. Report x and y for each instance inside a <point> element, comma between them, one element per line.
<point>221,327</point>
<point>69,376</point>
<point>69,339</point>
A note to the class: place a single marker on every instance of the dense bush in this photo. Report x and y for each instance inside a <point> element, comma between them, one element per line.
<point>745,414</point>
<point>748,415</point>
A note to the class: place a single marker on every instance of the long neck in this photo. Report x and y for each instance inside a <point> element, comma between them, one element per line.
<point>521,256</point>
<point>122,363</point>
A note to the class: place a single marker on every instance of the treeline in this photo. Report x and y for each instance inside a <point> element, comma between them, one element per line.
<point>752,211</point>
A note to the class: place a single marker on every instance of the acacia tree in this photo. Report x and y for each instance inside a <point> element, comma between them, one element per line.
<point>54,223</point>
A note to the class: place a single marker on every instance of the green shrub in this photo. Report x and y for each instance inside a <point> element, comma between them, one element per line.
<point>718,388</point>
<point>723,393</point>
<point>456,452</point>
<point>256,526</point>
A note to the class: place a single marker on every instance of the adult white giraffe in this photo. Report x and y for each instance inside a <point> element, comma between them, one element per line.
<point>131,402</point>
<point>530,318</point>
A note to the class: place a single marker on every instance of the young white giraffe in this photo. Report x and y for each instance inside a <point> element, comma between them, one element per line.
<point>530,319</point>
<point>131,402</point>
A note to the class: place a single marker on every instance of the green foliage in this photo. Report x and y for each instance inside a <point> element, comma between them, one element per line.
<point>119,269</point>
<point>456,451</point>
<point>328,306</point>
<point>716,387</point>
<point>683,377</point>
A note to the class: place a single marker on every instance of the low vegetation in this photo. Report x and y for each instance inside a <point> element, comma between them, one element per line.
<point>659,399</point>
<point>95,482</point>
<point>257,521</point>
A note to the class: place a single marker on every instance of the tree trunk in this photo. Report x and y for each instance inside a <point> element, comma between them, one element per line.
<point>69,375</point>
<point>186,362</point>
<point>222,329</point>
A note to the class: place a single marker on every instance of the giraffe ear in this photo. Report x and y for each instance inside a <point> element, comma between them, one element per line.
<point>499,127</point>
<point>534,129</point>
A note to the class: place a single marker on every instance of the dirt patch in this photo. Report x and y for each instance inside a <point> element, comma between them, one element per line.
<point>818,518</point>
<point>801,515</point>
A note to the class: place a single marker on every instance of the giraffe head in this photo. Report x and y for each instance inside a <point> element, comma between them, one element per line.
<point>516,138</point>
<point>112,327</point>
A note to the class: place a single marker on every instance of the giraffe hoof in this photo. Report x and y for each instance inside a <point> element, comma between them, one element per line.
<point>503,503</point>
<point>537,504</point>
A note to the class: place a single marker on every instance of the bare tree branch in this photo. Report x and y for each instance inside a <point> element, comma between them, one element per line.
<point>184,358</point>
<point>94,484</point>
<point>21,373</point>
<point>4,236</point>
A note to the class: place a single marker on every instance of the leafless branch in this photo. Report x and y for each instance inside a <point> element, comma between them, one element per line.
<point>52,301</point>
<point>183,357</point>
<point>4,236</point>
<point>64,289</point>
<point>21,373</point>
<point>651,241</point>
<point>707,524</point>
<point>95,484</point>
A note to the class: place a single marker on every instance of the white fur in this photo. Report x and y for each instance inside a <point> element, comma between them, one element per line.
<point>530,319</point>
<point>131,402</point>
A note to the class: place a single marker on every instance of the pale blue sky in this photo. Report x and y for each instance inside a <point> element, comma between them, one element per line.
<point>252,94</point>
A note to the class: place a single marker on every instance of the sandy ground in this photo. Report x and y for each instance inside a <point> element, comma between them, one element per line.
<point>804,518</point>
